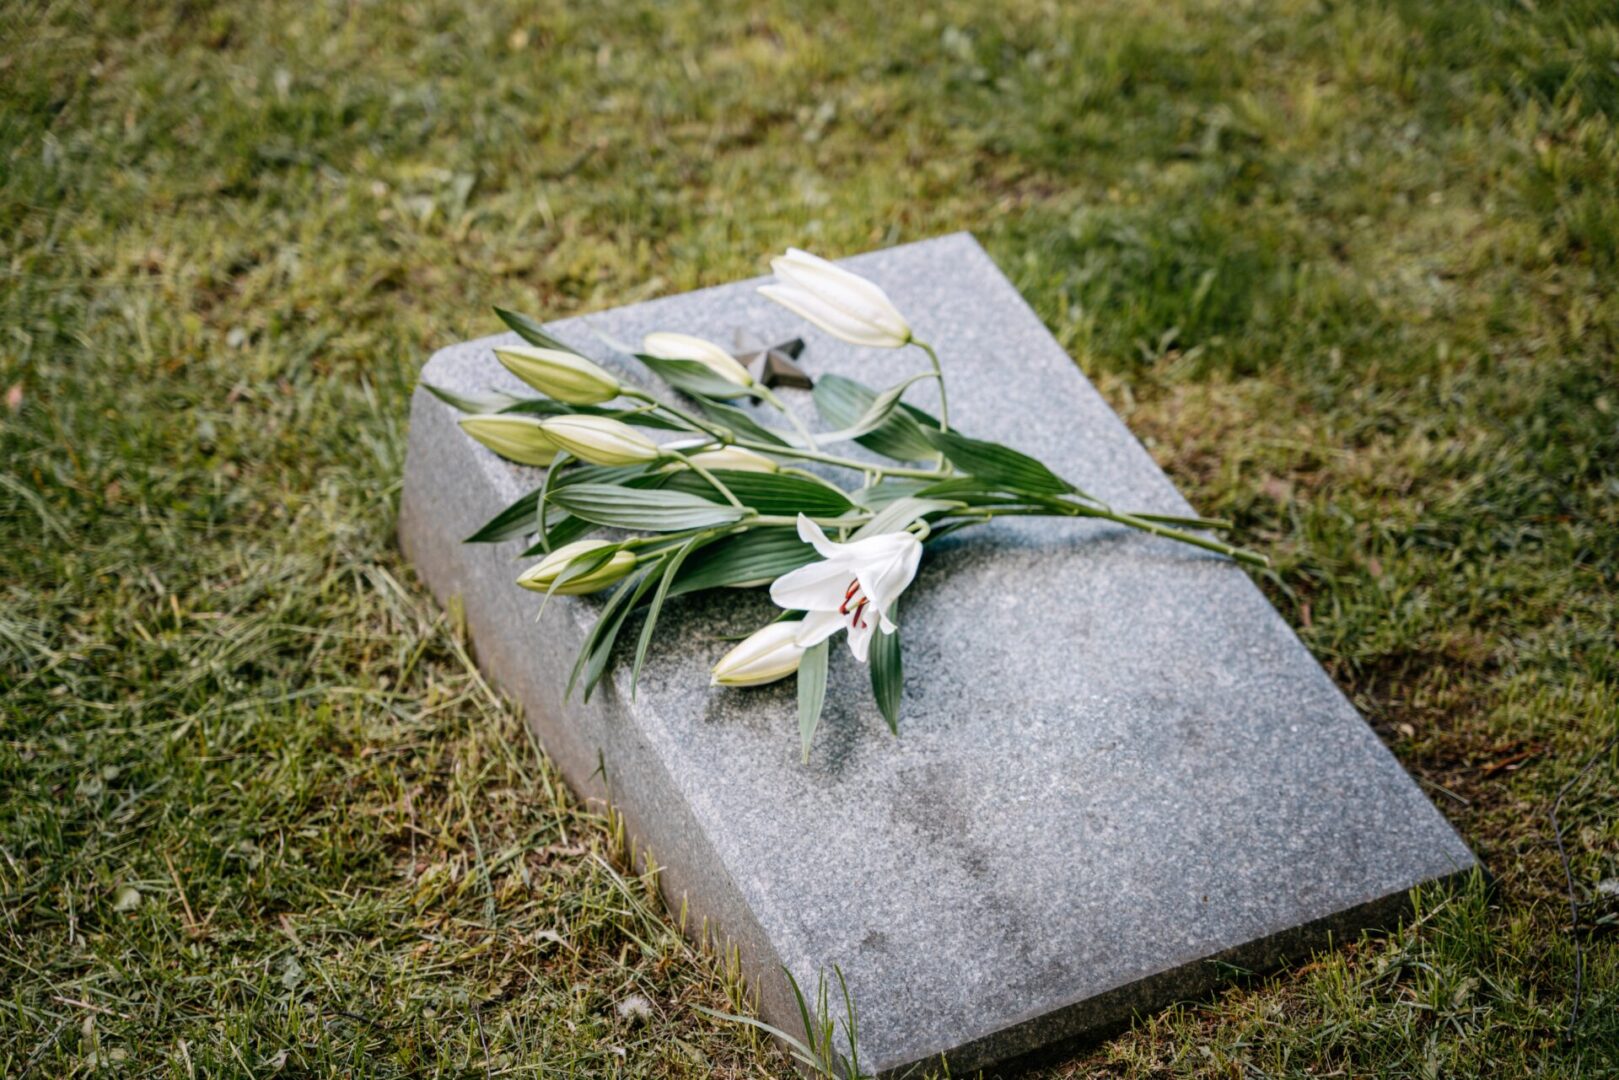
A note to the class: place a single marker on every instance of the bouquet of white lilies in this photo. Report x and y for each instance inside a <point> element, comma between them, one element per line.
<point>730,502</point>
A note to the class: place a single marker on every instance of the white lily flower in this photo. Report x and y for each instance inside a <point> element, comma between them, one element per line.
<point>767,654</point>
<point>845,305</point>
<point>853,588</point>
<point>671,346</point>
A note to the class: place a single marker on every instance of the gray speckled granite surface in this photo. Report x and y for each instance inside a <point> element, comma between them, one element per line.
<point>1116,763</point>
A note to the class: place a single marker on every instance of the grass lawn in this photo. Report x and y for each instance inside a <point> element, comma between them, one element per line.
<point>1349,269</point>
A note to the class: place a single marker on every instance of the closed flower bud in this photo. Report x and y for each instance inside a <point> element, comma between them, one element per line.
<point>601,440</point>
<point>544,573</point>
<point>763,657</point>
<point>516,438</point>
<point>669,346</point>
<point>564,376</point>
<point>735,458</point>
<point>845,305</point>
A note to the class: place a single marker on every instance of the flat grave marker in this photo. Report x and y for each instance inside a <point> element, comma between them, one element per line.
<point>1116,764</point>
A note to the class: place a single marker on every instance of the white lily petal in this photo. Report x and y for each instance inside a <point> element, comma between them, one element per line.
<point>769,653</point>
<point>883,581</point>
<point>820,586</point>
<point>857,296</point>
<point>815,273</point>
<point>671,346</point>
<point>812,534</point>
<point>817,627</point>
<point>880,547</point>
<point>860,639</point>
<point>828,318</point>
<point>839,304</point>
<point>881,567</point>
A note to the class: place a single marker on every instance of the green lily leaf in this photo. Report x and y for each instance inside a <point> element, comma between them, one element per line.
<point>594,657</point>
<point>877,413</point>
<point>811,692</point>
<point>740,421</point>
<point>843,402</point>
<point>756,557</point>
<point>488,401</point>
<point>1000,465</point>
<point>532,332</point>
<point>692,377</point>
<point>768,493</point>
<point>640,417</point>
<point>900,513</point>
<point>671,567</point>
<point>883,492</point>
<point>514,521</point>
<point>652,510</point>
<point>887,673</point>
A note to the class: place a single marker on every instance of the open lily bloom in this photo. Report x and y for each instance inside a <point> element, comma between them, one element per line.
<point>853,588</point>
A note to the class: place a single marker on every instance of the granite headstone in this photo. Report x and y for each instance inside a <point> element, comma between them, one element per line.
<point>1117,763</point>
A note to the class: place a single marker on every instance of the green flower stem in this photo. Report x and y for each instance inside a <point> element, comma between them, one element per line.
<point>1217,524</point>
<point>713,480</point>
<point>765,394</point>
<point>1058,508</point>
<point>847,463</point>
<point>671,539</point>
<point>713,430</point>
<point>788,470</point>
<point>1242,555</point>
<point>938,376</point>
<point>824,522</point>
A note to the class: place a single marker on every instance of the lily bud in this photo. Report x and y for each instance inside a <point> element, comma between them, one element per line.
<point>565,376</point>
<point>766,655</point>
<point>601,440</point>
<point>735,458</point>
<point>669,346</point>
<point>845,305</point>
<point>516,438</point>
<point>542,574</point>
